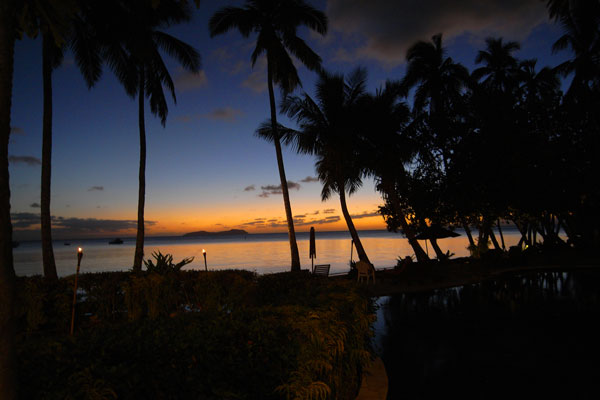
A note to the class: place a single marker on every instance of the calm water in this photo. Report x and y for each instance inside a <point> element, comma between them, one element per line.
<point>532,336</point>
<point>263,253</point>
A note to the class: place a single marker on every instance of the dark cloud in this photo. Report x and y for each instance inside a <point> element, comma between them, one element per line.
<point>300,216</point>
<point>329,211</point>
<point>96,189</point>
<point>310,179</point>
<point>276,189</point>
<point>365,214</point>
<point>386,28</point>
<point>226,60</point>
<point>34,205</point>
<point>249,188</point>
<point>186,80</point>
<point>327,220</point>
<point>76,226</point>
<point>227,114</point>
<point>24,160</point>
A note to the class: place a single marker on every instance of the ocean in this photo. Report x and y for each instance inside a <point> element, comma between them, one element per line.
<point>262,253</point>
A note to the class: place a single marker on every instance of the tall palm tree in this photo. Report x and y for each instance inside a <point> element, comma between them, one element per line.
<point>132,45</point>
<point>8,366</point>
<point>276,22</point>
<point>387,149</point>
<point>439,84</point>
<point>60,24</point>
<point>329,130</point>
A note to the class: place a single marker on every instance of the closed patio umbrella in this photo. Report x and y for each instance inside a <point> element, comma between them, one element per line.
<point>312,248</point>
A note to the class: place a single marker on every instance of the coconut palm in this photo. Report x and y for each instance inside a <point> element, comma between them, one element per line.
<point>276,22</point>
<point>580,21</point>
<point>133,42</point>
<point>500,71</point>
<point>387,149</point>
<point>329,129</point>
<point>60,24</point>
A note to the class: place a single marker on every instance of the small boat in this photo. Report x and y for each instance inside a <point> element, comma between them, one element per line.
<point>116,241</point>
<point>67,244</point>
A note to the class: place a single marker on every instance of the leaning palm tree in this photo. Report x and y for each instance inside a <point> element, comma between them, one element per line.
<point>276,22</point>
<point>388,148</point>
<point>329,129</point>
<point>132,45</point>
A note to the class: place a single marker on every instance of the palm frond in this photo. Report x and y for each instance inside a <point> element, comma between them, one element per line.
<point>228,18</point>
<point>186,55</point>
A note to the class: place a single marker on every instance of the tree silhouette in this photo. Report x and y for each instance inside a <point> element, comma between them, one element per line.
<point>276,22</point>
<point>387,149</point>
<point>132,45</point>
<point>328,130</point>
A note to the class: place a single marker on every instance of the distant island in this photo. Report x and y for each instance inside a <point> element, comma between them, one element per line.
<point>232,232</point>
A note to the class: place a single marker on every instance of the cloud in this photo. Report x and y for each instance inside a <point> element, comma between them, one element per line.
<point>276,189</point>
<point>225,60</point>
<point>76,226</point>
<point>34,205</point>
<point>310,179</point>
<point>385,29</point>
<point>365,214</point>
<point>329,211</point>
<point>315,213</point>
<point>185,80</point>
<point>28,160</point>
<point>257,80</point>
<point>322,221</point>
<point>300,216</point>
<point>249,188</point>
<point>96,189</point>
<point>227,114</point>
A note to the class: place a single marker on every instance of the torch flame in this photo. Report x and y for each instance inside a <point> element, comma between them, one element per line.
<point>80,250</point>
<point>203,251</point>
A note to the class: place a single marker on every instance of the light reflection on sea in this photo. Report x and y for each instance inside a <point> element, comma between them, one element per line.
<point>266,253</point>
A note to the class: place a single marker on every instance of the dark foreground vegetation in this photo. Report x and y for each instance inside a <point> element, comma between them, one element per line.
<point>191,334</point>
<point>530,336</point>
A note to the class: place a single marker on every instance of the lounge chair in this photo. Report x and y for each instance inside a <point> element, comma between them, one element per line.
<point>322,270</point>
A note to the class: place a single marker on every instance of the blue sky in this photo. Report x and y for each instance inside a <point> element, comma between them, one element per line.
<point>202,167</point>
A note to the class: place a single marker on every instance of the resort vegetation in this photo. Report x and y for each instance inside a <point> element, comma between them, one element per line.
<point>446,147</point>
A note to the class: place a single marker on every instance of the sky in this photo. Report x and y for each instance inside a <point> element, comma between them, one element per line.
<point>206,170</point>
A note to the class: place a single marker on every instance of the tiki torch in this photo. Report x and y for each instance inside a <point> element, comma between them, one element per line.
<point>79,257</point>
<point>204,254</point>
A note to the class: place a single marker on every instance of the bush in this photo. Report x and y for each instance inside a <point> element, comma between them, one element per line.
<point>194,334</point>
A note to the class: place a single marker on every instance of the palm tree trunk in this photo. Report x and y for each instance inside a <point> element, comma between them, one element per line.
<point>406,228</point>
<point>468,232</point>
<point>362,255</point>
<point>436,247</point>
<point>283,179</point>
<point>8,381</point>
<point>139,241</point>
<point>47,251</point>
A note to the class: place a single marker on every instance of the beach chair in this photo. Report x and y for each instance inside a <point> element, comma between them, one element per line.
<point>365,269</point>
<point>322,270</point>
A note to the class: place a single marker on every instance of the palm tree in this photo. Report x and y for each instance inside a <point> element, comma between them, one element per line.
<point>501,68</point>
<point>329,130</point>
<point>59,25</point>
<point>439,85</point>
<point>580,21</point>
<point>276,22</point>
<point>387,149</point>
<point>8,365</point>
<point>132,45</point>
